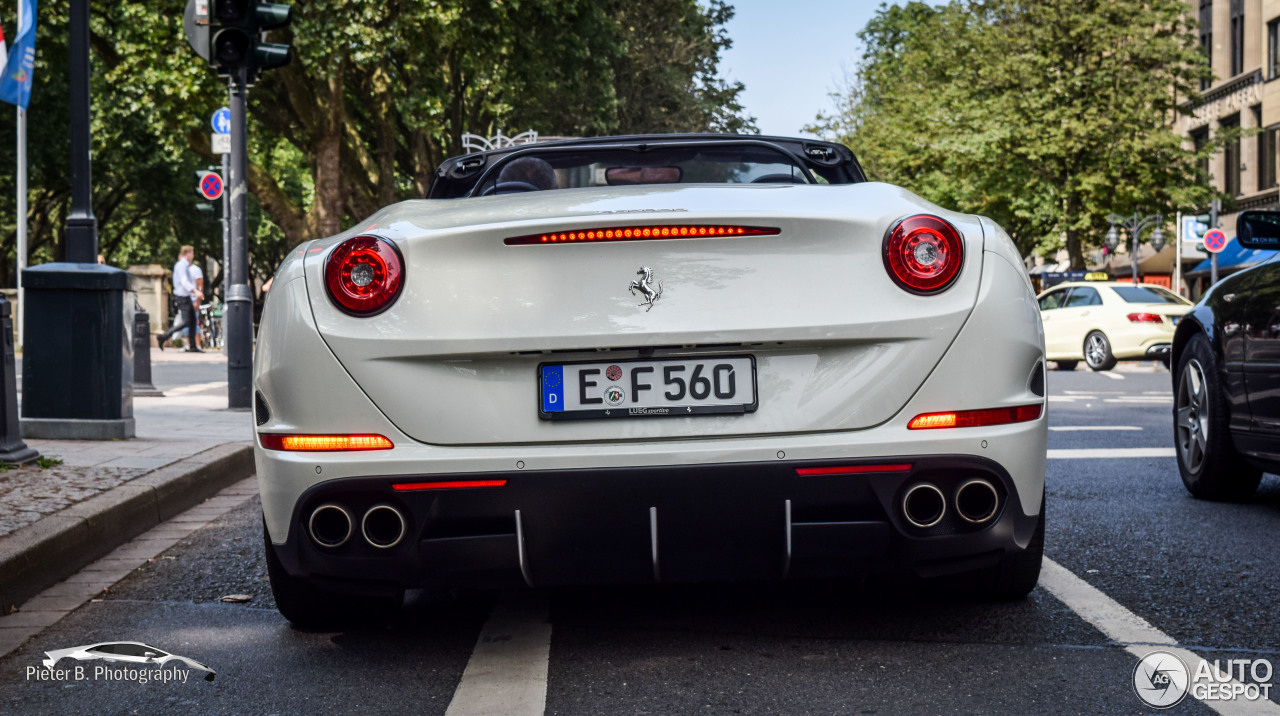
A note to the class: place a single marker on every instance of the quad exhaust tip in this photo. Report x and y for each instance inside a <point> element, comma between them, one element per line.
<point>330,525</point>
<point>977,501</point>
<point>383,526</point>
<point>924,505</point>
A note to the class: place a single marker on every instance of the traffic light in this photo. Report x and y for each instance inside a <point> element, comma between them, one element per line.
<point>236,35</point>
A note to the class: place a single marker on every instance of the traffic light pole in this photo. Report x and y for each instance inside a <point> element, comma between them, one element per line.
<point>239,310</point>
<point>82,225</point>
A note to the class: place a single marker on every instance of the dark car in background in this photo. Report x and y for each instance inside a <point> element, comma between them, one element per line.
<point>1226,377</point>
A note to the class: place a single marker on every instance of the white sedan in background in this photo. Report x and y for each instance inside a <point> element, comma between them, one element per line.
<point>649,360</point>
<point>1101,322</point>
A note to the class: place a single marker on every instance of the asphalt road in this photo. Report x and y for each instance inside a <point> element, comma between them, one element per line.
<point>1205,574</point>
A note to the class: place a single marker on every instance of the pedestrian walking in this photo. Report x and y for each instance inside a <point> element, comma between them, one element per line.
<point>187,296</point>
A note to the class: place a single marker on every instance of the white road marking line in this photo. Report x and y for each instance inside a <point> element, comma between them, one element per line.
<point>1133,632</point>
<point>1141,400</point>
<point>1061,399</point>
<point>1112,376</point>
<point>1155,392</point>
<point>1074,428</point>
<point>1108,453</point>
<point>195,388</point>
<point>507,673</point>
<point>1091,393</point>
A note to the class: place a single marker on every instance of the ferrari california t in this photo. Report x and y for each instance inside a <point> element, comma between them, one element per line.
<point>650,359</point>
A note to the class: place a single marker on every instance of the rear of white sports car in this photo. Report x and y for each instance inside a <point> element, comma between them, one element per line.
<point>651,384</point>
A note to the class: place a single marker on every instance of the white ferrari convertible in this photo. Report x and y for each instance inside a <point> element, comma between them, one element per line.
<point>650,359</point>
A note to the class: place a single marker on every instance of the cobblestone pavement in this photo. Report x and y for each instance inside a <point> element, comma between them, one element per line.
<point>190,418</point>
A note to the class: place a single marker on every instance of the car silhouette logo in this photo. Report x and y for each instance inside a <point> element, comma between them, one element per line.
<point>124,651</point>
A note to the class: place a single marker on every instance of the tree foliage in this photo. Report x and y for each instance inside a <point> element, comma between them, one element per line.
<point>378,94</point>
<point>1045,115</point>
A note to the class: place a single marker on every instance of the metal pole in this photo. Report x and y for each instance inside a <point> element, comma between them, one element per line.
<point>1214,208</point>
<point>238,319</point>
<point>82,225</point>
<point>1137,228</point>
<point>22,198</point>
<point>1177,256</point>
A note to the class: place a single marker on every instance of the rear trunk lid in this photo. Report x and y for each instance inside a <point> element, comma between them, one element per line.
<point>836,344</point>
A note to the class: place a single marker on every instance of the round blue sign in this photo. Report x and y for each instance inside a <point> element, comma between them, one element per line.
<point>221,121</point>
<point>1215,241</point>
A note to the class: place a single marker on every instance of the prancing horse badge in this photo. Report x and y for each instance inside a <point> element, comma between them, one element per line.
<point>646,288</point>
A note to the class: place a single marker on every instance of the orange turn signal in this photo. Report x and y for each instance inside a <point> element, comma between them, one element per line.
<point>976,418</point>
<point>324,443</point>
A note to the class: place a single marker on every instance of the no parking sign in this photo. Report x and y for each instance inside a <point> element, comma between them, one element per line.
<point>210,186</point>
<point>1215,241</point>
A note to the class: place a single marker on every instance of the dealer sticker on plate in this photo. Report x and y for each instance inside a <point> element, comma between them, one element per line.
<point>670,387</point>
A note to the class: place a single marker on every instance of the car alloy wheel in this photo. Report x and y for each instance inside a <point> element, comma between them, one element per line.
<point>1097,352</point>
<point>1191,421</point>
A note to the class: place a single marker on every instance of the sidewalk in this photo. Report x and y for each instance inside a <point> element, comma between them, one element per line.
<point>87,496</point>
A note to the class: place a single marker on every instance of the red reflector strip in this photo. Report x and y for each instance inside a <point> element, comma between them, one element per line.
<point>1145,318</point>
<point>852,469</point>
<point>642,233</point>
<point>976,418</point>
<point>410,486</point>
<point>324,443</point>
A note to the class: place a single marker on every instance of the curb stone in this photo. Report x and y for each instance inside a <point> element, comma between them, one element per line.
<point>44,553</point>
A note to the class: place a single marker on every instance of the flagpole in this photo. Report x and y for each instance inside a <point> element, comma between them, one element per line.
<point>22,203</point>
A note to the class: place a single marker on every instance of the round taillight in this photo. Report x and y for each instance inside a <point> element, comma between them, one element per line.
<point>923,253</point>
<point>364,275</point>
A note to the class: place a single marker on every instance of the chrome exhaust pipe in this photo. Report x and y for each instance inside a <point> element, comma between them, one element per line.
<point>383,526</point>
<point>330,525</point>
<point>977,501</point>
<point>924,505</point>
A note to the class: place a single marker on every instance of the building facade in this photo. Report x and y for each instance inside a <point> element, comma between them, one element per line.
<point>1242,41</point>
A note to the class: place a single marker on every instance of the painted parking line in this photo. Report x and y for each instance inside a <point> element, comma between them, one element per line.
<point>1080,428</point>
<point>195,388</point>
<point>1108,453</point>
<point>1131,631</point>
<point>1112,376</point>
<point>1142,400</point>
<point>507,673</point>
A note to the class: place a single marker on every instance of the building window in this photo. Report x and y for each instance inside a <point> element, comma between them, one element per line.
<point>1231,156</point>
<point>1273,49</point>
<point>1206,38</point>
<point>1200,138</point>
<point>1237,37</point>
<point>1268,144</point>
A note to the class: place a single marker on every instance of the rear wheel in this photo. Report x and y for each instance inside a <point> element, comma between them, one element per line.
<point>1067,364</point>
<point>1210,466</point>
<point>304,604</point>
<point>1097,351</point>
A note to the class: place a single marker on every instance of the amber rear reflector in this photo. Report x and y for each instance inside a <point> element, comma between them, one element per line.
<point>454,485</point>
<point>324,443</point>
<point>642,233</point>
<point>852,469</point>
<point>976,418</point>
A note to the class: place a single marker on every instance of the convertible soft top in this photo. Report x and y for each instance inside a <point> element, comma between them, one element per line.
<point>801,161</point>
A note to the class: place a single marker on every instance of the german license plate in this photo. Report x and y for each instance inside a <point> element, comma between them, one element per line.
<point>670,387</point>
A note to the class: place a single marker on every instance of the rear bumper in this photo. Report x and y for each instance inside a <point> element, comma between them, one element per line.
<point>683,523</point>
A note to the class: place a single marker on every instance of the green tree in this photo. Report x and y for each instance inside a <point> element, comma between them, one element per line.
<point>1044,114</point>
<point>379,93</point>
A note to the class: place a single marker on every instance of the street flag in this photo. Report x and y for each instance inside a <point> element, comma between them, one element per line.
<point>15,78</point>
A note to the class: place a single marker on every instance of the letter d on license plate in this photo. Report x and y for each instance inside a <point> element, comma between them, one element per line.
<point>671,387</point>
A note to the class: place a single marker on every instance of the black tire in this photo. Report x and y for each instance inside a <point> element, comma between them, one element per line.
<point>1210,466</point>
<point>1097,351</point>
<point>1067,364</point>
<point>309,607</point>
